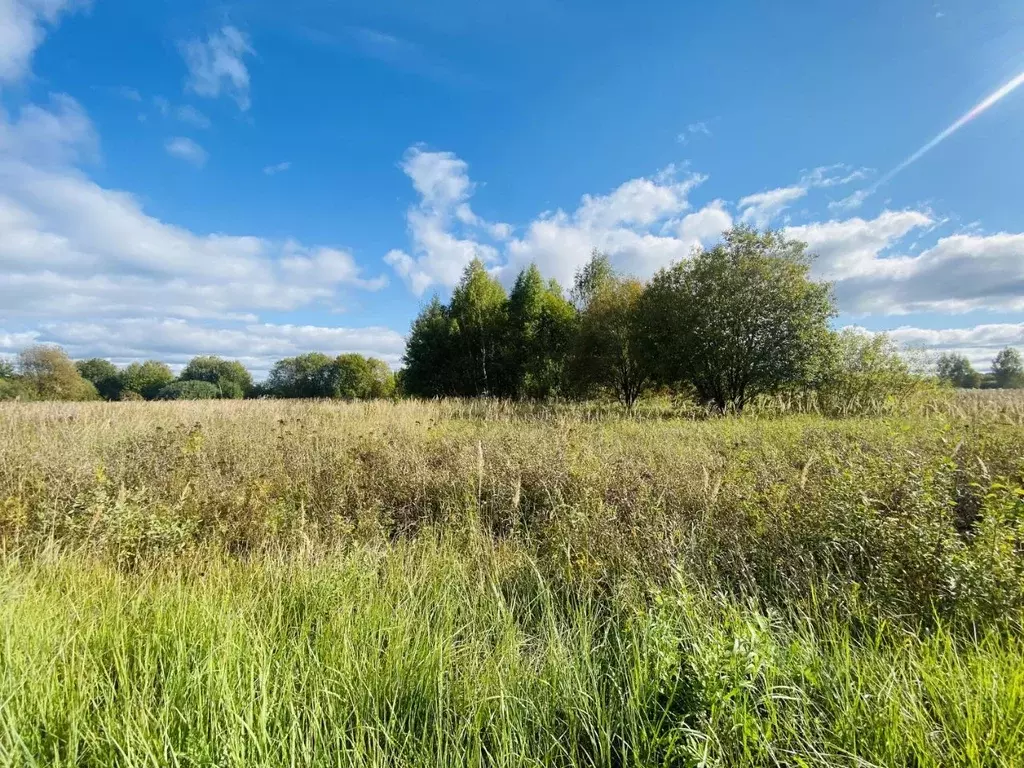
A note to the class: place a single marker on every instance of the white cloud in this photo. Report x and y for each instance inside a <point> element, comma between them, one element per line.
<point>699,128</point>
<point>852,247</point>
<point>270,170</point>
<point>833,175</point>
<point>959,273</point>
<point>761,208</point>
<point>217,65</point>
<point>185,149</point>
<point>23,25</point>
<point>59,134</point>
<point>633,224</point>
<point>192,116</point>
<point>978,343</point>
<point>640,224</point>
<point>70,248</point>
<point>443,228</point>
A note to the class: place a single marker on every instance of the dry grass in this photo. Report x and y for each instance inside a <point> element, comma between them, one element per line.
<point>281,582</point>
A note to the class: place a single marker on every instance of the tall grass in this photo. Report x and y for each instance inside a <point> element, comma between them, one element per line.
<point>283,583</point>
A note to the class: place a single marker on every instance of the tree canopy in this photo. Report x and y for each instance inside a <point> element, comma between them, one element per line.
<point>738,320</point>
<point>230,377</point>
<point>1008,369</point>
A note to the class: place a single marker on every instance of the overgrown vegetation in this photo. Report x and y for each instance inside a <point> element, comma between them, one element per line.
<point>490,583</point>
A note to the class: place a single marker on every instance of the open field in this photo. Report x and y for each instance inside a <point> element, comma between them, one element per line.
<point>295,583</point>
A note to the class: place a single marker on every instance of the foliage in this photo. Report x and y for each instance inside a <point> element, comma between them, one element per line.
<point>608,351</point>
<point>362,378</point>
<point>103,374</point>
<point>739,320</point>
<point>428,356</point>
<point>490,583</point>
<point>540,334</point>
<point>315,375</point>
<point>304,376</point>
<point>229,376</point>
<point>957,371</point>
<point>1008,369</point>
<point>189,389</point>
<point>478,314</point>
<point>47,373</point>
<point>862,368</point>
<point>144,379</point>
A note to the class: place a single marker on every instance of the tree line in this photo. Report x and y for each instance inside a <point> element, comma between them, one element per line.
<point>47,373</point>
<point>1007,371</point>
<point>722,327</point>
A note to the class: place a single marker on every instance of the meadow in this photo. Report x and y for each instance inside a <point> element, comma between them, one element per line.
<point>269,583</point>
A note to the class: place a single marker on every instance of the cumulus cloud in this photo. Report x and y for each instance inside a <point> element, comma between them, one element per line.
<point>23,25</point>
<point>217,66</point>
<point>959,273</point>
<point>185,149</point>
<point>69,247</point>
<point>444,231</point>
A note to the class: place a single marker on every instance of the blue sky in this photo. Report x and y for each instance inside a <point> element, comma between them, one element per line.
<point>257,179</point>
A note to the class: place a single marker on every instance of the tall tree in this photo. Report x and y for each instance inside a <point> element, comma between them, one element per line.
<point>48,374</point>
<point>229,376</point>
<point>956,370</point>
<point>478,312</point>
<point>741,319</point>
<point>429,357</point>
<point>540,331</point>
<point>607,354</point>
<point>1008,369</point>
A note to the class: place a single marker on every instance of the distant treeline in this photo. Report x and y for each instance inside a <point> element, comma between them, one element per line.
<point>729,324</point>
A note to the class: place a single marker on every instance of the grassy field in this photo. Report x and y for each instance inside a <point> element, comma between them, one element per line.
<point>286,583</point>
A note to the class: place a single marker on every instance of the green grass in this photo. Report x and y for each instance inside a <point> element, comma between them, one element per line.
<point>268,584</point>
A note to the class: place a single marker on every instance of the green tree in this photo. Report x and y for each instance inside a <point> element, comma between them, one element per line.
<point>190,389</point>
<point>540,330</point>
<point>590,277</point>
<point>859,367</point>
<point>429,354</point>
<point>478,313</point>
<point>229,376</point>
<point>739,320</point>
<point>103,375</point>
<point>607,353</point>
<point>145,379</point>
<point>956,370</point>
<point>49,374</point>
<point>1008,370</point>
<point>362,378</point>
<point>309,375</point>
<point>13,386</point>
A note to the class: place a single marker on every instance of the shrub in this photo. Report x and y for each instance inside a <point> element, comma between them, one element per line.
<point>189,390</point>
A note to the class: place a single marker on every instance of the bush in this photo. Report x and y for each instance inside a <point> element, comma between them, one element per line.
<point>189,390</point>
